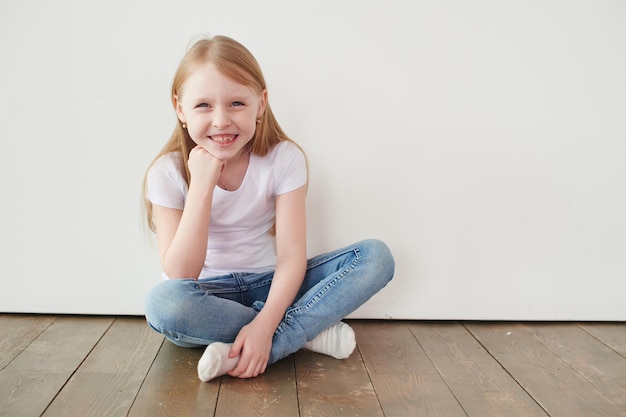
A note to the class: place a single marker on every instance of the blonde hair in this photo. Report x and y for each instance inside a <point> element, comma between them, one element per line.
<point>236,62</point>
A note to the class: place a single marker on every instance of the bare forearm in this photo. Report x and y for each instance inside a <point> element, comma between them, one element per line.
<point>291,251</point>
<point>285,286</point>
<point>186,254</point>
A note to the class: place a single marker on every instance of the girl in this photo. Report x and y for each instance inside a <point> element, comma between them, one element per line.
<point>226,198</point>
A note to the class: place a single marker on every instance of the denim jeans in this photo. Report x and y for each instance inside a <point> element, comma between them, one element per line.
<point>194,313</point>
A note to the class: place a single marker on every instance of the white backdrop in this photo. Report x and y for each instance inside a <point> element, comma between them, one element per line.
<point>484,141</point>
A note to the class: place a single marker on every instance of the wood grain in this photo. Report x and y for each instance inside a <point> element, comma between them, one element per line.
<point>172,387</point>
<point>64,344</point>
<point>273,393</point>
<point>406,382</point>
<point>17,331</point>
<point>479,383</point>
<point>601,366</point>
<point>104,366</point>
<point>30,382</point>
<point>558,388</point>
<point>390,347</point>
<point>611,334</point>
<point>109,379</point>
<point>329,387</point>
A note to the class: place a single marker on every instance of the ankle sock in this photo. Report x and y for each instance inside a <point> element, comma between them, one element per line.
<point>337,341</point>
<point>215,361</point>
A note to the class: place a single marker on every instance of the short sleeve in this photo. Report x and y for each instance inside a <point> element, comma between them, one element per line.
<point>293,171</point>
<point>165,184</point>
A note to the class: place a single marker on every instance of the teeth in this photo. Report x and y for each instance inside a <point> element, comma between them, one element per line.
<point>223,139</point>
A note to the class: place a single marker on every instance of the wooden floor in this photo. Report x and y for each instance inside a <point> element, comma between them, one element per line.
<point>106,366</point>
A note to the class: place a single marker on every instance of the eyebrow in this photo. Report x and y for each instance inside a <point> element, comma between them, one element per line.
<point>201,99</point>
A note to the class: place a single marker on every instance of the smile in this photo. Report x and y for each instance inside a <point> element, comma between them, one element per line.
<point>223,139</point>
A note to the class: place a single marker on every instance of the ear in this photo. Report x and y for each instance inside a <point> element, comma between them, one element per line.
<point>179,109</point>
<point>262,104</point>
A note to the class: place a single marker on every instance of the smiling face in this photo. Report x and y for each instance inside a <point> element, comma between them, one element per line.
<point>220,113</point>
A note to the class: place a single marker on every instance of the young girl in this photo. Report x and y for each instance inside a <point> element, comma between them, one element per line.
<point>226,198</point>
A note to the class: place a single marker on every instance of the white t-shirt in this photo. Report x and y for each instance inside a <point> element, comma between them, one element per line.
<point>239,238</point>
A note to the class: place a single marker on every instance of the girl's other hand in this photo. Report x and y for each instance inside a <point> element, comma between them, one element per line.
<point>253,344</point>
<point>204,167</point>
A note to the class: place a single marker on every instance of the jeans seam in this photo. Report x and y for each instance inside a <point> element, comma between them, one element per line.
<point>327,287</point>
<point>217,290</point>
<point>322,260</point>
<point>259,284</point>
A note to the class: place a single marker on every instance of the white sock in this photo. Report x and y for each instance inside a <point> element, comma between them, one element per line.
<point>215,361</point>
<point>337,341</point>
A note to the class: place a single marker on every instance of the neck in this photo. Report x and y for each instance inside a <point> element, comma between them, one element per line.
<point>234,172</point>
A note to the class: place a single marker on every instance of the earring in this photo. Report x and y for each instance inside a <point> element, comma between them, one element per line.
<point>258,121</point>
<point>184,125</point>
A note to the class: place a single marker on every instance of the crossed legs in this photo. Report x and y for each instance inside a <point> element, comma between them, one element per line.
<point>211,312</point>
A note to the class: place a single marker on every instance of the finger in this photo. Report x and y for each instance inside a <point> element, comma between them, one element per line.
<point>250,367</point>
<point>241,367</point>
<point>235,349</point>
<point>256,368</point>
<point>250,372</point>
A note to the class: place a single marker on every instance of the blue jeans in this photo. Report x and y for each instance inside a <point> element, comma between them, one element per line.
<point>196,313</point>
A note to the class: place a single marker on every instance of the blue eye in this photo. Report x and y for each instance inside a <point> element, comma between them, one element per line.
<point>238,103</point>
<point>202,105</point>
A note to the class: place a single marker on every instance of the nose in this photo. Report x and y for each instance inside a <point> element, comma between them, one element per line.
<point>221,118</point>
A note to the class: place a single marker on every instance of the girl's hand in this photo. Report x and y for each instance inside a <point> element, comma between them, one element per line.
<point>204,167</point>
<point>253,344</point>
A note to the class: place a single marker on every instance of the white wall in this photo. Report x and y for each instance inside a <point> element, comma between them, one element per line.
<point>484,141</point>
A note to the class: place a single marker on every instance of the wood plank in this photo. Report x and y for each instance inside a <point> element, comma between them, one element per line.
<point>30,382</point>
<point>172,387</point>
<point>604,368</point>
<point>64,344</point>
<point>479,383</point>
<point>401,368</point>
<point>28,393</point>
<point>390,347</point>
<point>272,394</point>
<point>611,334</point>
<point>332,387</point>
<point>405,381</point>
<point>108,380</point>
<point>559,389</point>
<point>17,331</point>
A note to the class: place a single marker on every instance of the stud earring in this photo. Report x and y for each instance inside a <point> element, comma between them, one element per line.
<point>184,125</point>
<point>258,121</point>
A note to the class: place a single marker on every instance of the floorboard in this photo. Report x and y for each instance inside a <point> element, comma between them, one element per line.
<point>172,387</point>
<point>611,334</point>
<point>84,366</point>
<point>482,387</point>
<point>558,388</point>
<point>31,381</point>
<point>404,378</point>
<point>334,388</point>
<point>18,331</point>
<point>601,366</point>
<point>108,381</point>
<point>272,394</point>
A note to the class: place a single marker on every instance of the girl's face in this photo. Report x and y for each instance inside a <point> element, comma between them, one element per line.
<point>220,113</point>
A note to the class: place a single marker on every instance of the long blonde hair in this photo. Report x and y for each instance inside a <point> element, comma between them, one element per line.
<point>236,62</point>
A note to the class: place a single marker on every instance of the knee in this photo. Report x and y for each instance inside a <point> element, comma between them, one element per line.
<point>380,259</point>
<point>163,305</point>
